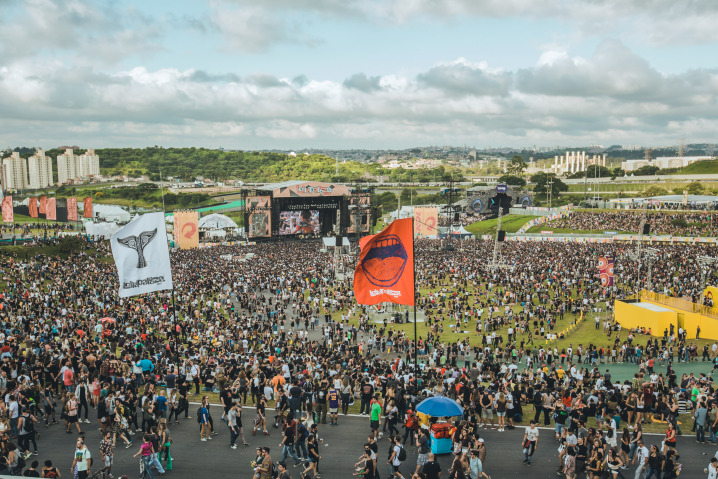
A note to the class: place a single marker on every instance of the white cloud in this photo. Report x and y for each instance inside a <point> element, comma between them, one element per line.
<point>612,94</point>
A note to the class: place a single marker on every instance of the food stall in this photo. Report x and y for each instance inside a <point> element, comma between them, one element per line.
<point>439,431</point>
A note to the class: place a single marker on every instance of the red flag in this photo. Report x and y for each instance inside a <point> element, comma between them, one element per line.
<point>363,241</point>
<point>50,209</point>
<point>7,213</point>
<point>72,209</point>
<point>385,272</point>
<point>33,207</point>
<point>87,203</point>
<point>43,205</point>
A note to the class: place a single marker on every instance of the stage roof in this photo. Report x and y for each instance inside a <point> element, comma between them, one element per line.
<point>297,188</point>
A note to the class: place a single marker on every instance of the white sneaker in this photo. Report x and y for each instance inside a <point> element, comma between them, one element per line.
<point>203,440</point>
<point>87,421</point>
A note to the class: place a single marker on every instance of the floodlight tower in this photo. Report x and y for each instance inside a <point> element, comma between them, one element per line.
<point>705,262</point>
<point>651,257</point>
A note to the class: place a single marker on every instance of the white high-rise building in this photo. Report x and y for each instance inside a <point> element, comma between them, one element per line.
<point>14,172</point>
<point>39,168</point>
<point>71,166</point>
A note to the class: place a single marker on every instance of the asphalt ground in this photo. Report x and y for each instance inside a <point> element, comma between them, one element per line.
<point>340,450</point>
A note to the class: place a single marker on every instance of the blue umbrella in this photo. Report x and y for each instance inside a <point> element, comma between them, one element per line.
<point>440,407</point>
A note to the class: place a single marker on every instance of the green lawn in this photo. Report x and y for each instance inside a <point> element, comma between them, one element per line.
<point>510,224</point>
<point>699,168</point>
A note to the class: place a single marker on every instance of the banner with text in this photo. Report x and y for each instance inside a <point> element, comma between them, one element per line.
<point>72,209</point>
<point>260,216</point>
<point>426,219</point>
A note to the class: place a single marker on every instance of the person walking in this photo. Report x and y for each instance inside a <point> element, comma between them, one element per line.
<point>395,458</point>
<point>334,402</point>
<point>530,442</point>
<point>204,423</point>
<point>108,455</point>
<point>83,460</point>
<point>26,427</point>
<point>232,425</point>
<point>146,451</point>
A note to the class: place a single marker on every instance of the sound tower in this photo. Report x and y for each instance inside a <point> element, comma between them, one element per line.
<point>502,235</point>
<point>646,229</point>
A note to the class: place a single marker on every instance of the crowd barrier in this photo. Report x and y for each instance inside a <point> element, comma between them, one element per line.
<point>679,303</point>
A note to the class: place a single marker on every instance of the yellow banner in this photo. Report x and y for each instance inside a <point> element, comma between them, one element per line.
<point>426,219</point>
<point>187,229</point>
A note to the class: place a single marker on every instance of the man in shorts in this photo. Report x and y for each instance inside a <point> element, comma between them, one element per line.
<point>375,417</point>
<point>108,455</point>
<point>334,402</point>
<point>394,461</point>
<point>422,444</point>
<point>487,408</point>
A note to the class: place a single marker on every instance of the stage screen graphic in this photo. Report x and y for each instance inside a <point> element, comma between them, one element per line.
<point>260,216</point>
<point>299,222</point>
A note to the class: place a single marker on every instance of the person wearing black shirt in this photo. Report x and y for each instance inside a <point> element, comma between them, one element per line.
<point>431,469</point>
<point>321,401</point>
<point>367,391</point>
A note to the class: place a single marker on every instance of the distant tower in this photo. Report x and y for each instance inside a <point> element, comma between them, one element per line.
<point>682,147</point>
<point>648,154</point>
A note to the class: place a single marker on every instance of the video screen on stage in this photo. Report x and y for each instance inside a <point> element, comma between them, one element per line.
<point>299,222</point>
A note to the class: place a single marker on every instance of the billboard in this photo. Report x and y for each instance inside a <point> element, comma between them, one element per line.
<point>8,215</point>
<point>32,207</point>
<point>299,222</point>
<point>260,216</point>
<point>310,189</point>
<point>186,229</point>
<point>42,205</point>
<point>426,220</point>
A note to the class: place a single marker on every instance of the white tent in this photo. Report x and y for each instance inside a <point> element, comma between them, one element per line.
<point>101,230</point>
<point>216,221</point>
<point>111,213</point>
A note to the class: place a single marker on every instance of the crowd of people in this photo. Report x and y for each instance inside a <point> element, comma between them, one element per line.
<point>277,328</point>
<point>661,223</point>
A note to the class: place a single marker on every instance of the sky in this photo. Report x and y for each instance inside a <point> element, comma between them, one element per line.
<point>364,74</point>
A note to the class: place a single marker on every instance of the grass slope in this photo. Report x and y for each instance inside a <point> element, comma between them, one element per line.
<point>699,168</point>
<point>510,224</point>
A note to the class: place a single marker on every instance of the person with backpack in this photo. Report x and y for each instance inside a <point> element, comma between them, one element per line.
<point>397,455</point>
<point>301,440</point>
<point>26,428</point>
<point>48,470</point>
<point>411,426</point>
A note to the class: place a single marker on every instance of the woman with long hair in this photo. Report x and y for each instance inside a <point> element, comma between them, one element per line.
<point>501,411</point>
<point>625,445</point>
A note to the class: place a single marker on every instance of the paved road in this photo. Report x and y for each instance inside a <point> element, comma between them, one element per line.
<point>195,459</point>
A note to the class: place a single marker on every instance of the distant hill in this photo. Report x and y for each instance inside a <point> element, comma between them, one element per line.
<point>699,168</point>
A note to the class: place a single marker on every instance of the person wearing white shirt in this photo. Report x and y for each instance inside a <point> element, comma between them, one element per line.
<point>642,457</point>
<point>712,469</point>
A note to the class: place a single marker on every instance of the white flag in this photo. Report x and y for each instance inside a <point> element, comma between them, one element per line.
<point>142,256</point>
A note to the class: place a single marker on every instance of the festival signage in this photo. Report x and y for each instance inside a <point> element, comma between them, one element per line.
<point>426,219</point>
<point>87,207</point>
<point>142,256</point>
<point>311,188</point>
<point>32,206</point>
<point>51,209</point>
<point>72,209</point>
<point>260,216</point>
<point>385,271</point>
<point>605,268</point>
<point>186,229</point>
<point>7,213</point>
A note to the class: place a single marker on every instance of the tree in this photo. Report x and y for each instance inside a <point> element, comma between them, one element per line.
<point>545,181</point>
<point>512,180</point>
<point>516,166</point>
<point>597,171</point>
<point>647,170</point>
<point>654,190</point>
<point>695,188</point>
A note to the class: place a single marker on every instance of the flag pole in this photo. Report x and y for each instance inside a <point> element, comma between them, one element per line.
<point>416,345</point>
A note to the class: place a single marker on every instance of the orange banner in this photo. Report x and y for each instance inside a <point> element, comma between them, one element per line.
<point>7,213</point>
<point>72,209</point>
<point>426,219</point>
<point>43,205</point>
<point>32,206</point>
<point>385,272</point>
<point>186,229</point>
<point>51,209</point>
<point>87,205</point>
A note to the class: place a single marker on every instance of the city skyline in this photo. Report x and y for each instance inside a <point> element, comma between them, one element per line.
<point>384,74</point>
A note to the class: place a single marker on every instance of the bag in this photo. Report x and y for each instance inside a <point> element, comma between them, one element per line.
<point>538,398</point>
<point>199,415</point>
<point>402,454</point>
<point>257,420</point>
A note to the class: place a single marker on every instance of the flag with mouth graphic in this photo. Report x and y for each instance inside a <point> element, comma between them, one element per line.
<point>142,256</point>
<point>385,272</point>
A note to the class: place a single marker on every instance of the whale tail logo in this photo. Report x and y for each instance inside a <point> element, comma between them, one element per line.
<point>385,271</point>
<point>138,243</point>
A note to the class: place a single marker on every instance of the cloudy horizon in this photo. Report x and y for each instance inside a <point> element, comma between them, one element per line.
<point>368,74</point>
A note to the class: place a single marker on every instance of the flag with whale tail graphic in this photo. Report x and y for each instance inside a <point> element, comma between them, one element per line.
<point>142,256</point>
<point>385,272</point>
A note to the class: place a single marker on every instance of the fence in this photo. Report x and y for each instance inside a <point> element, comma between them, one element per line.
<point>679,303</point>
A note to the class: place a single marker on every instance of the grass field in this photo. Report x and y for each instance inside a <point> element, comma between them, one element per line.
<point>547,227</point>
<point>510,224</point>
<point>699,168</point>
